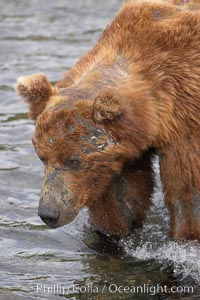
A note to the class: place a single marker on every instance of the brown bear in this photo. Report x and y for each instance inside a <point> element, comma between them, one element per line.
<point>137,91</point>
<point>119,202</point>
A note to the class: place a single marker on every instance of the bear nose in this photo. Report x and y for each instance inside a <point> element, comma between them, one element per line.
<point>49,216</point>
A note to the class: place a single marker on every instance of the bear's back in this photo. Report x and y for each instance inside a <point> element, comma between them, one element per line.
<point>181,4</point>
<point>144,24</point>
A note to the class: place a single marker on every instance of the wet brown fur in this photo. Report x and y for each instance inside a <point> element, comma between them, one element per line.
<point>60,144</point>
<point>146,69</point>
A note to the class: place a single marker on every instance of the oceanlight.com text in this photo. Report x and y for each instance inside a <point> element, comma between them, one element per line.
<point>112,288</point>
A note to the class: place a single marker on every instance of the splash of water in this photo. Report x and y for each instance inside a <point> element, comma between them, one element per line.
<point>153,242</point>
<point>183,258</point>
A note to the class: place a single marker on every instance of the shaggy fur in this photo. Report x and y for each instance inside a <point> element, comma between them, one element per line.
<point>140,84</point>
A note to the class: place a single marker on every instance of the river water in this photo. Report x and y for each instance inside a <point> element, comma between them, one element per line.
<point>39,263</point>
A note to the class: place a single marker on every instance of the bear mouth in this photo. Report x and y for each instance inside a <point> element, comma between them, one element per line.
<point>51,222</point>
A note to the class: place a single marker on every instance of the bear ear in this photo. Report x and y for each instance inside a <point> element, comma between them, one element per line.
<point>106,106</point>
<point>35,90</point>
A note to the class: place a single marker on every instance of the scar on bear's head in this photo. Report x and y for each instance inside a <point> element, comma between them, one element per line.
<point>106,106</point>
<point>35,90</point>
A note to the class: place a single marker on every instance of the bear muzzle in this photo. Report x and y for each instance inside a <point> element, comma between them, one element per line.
<point>55,211</point>
<point>49,215</point>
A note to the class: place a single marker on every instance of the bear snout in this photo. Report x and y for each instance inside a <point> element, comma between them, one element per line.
<point>49,214</point>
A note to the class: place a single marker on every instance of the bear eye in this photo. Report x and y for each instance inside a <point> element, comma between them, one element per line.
<point>42,158</point>
<point>72,163</point>
<point>34,141</point>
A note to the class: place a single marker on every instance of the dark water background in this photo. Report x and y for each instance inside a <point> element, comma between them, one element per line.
<point>49,36</point>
